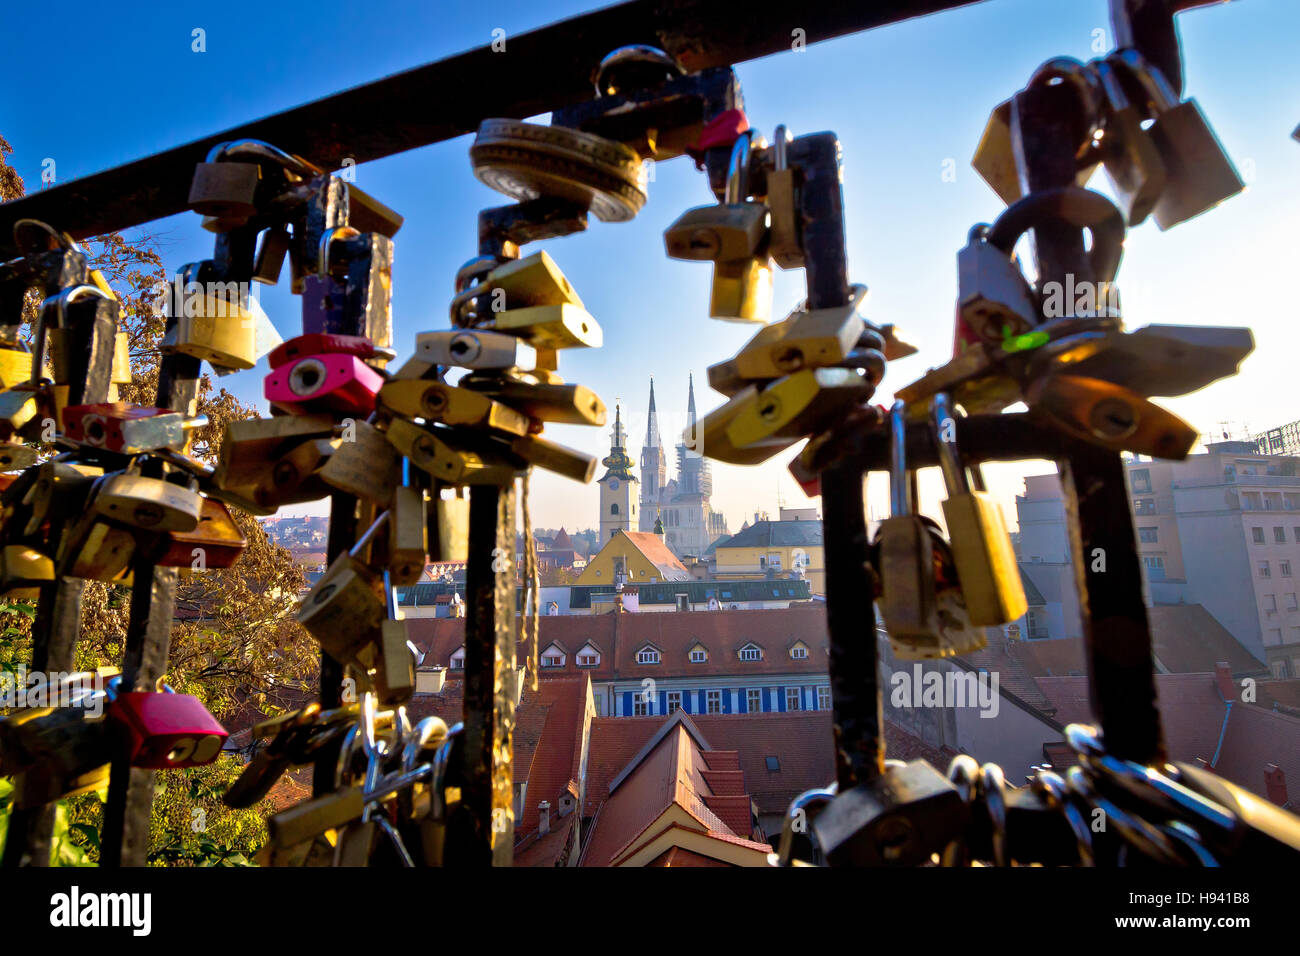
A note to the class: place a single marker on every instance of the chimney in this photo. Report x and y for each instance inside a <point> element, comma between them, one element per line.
<point>543,818</point>
<point>1223,677</point>
<point>1275,784</point>
<point>430,680</point>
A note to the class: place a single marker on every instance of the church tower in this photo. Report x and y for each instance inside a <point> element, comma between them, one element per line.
<point>654,467</point>
<point>618,498</point>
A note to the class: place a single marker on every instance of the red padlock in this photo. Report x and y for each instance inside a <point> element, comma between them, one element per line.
<point>321,343</point>
<point>324,382</point>
<point>167,731</point>
<point>121,426</point>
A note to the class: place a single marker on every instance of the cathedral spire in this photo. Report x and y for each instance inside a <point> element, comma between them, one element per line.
<point>618,462</point>
<point>690,403</point>
<point>652,421</point>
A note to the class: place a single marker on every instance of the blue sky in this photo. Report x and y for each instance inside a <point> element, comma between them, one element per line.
<point>903,100</point>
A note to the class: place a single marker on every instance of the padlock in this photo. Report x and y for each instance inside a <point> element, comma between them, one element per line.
<point>472,348</point>
<point>270,255</point>
<point>994,159</point>
<point>899,818</point>
<point>797,406</point>
<point>320,343</point>
<point>150,504</point>
<point>95,550</point>
<point>448,528</point>
<point>994,299</point>
<point>345,607</point>
<point>558,404</point>
<point>393,664</point>
<point>741,291</point>
<point>166,731</point>
<point>15,366</point>
<point>455,466</point>
<point>1166,359</point>
<point>123,427</point>
<point>295,477</point>
<point>365,464</point>
<point>215,543</point>
<point>710,436</point>
<point>532,281</point>
<point>981,547</point>
<point>251,446</point>
<point>357,843</point>
<point>417,367</point>
<point>718,232</point>
<point>22,571</point>
<point>225,189</point>
<point>327,382</point>
<point>59,365</point>
<point>550,326</point>
<point>906,569</point>
<point>1130,158</point>
<point>57,489</point>
<point>54,753</point>
<point>1199,173</point>
<point>785,244</point>
<point>216,327</point>
<point>803,340</point>
<point>1110,416</point>
<point>436,402</point>
<point>577,465</point>
<point>15,456</point>
<point>303,821</point>
<point>324,303</point>
<point>20,411</point>
<point>407,536</point>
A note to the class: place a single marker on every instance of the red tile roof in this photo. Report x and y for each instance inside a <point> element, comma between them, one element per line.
<point>556,760</point>
<point>676,856</point>
<point>657,553</point>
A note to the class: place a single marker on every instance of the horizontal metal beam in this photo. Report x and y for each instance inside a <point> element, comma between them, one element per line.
<point>538,71</point>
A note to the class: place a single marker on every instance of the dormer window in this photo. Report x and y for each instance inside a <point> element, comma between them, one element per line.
<point>698,654</point>
<point>458,659</point>
<point>751,652</point>
<point>799,652</point>
<point>553,656</point>
<point>647,655</point>
<point>588,656</point>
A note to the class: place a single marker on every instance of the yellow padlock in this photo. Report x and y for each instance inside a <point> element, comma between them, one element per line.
<point>550,326</point>
<point>216,327</point>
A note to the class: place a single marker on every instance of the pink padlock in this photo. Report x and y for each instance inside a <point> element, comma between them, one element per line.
<point>167,731</point>
<point>329,382</point>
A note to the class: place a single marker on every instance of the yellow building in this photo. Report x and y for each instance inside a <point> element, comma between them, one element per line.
<point>774,549</point>
<point>633,557</point>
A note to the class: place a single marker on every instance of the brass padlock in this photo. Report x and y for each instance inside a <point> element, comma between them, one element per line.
<point>367,466</point>
<point>785,242</point>
<point>15,366</point>
<point>95,550</point>
<point>215,543</point>
<point>20,412</point>
<point>407,536</point>
<point>798,406</point>
<point>300,823</point>
<point>345,607</point>
<point>437,402</point>
<point>907,585</point>
<point>22,570</point>
<point>711,438</point>
<point>1110,416</point>
<point>150,504</point>
<point>531,281</point>
<point>216,326</point>
<point>804,340</point>
<point>448,528</point>
<point>718,232</point>
<point>251,445</point>
<point>742,288</point>
<point>392,664</point>
<point>981,548</point>
<point>15,456</point>
<point>447,464</point>
<point>550,456</point>
<point>550,326</point>
<point>558,404</point>
<point>225,189</point>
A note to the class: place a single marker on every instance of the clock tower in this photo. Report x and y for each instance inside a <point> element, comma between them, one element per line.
<point>618,496</point>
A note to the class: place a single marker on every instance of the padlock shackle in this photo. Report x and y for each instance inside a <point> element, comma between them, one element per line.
<point>781,139</point>
<point>633,53</point>
<point>326,241</point>
<point>258,149</point>
<point>898,500</point>
<point>954,478</point>
<point>738,169</point>
<point>62,238</point>
<point>1163,97</point>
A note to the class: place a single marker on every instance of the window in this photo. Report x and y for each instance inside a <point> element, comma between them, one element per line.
<point>674,701</point>
<point>1257,535</point>
<point>773,764</point>
<point>1148,535</point>
<point>751,652</point>
<point>1291,602</point>
<point>640,706</point>
<point>799,652</point>
<point>1153,562</point>
<point>1144,506</point>
<point>596,699</point>
<point>552,660</point>
<point>1284,568</point>
<point>458,660</point>
<point>792,698</point>
<point>754,700</point>
<point>683,602</point>
<point>1273,637</point>
<point>1264,571</point>
<point>823,698</point>
<point>1270,604</point>
<point>698,655</point>
<point>613,509</point>
<point>713,701</point>
<point>1141,479</point>
<point>647,655</point>
<point>588,660</point>
<point>1297,533</point>
<point>1279,535</point>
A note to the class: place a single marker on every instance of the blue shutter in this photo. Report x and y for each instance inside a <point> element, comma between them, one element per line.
<point>703,706</point>
<point>663,702</point>
<point>726,700</point>
<point>767,699</point>
<point>742,701</point>
<point>627,703</point>
<point>780,699</point>
<point>686,701</point>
